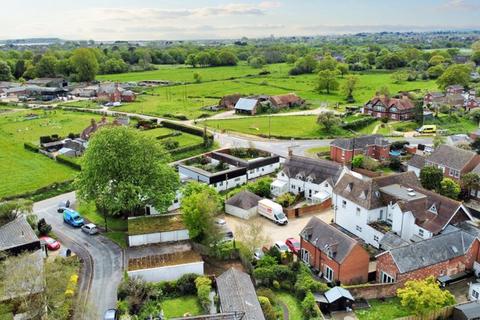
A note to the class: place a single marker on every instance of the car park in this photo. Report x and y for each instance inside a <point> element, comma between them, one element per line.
<point>281,246</point>
<point>90,229</point>
<point>293,244</point>
<point>72,218</point>
<point>51,243</point>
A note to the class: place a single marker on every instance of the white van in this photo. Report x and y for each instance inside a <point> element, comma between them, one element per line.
<point>272,211</point>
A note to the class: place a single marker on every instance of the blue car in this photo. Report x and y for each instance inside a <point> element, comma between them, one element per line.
<point>72,217</point>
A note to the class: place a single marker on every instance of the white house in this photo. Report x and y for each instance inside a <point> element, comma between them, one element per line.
<point>373,207</point>
<point>314,178</point>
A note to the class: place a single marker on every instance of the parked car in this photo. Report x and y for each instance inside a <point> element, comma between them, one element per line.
<point>52,244</point>
<point>111,314</point>
<point>428,128</point>
<point>63,205</point>
<point>220,222</point>
<point>272,210</point>
<point>258,254</point>
<point>72,217</point>
<point>281,246</point>
<point>90,228</point>
<point>293,244</point>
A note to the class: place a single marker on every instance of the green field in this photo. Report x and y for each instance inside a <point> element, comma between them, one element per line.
<point>386,310</point>
<point>184,139</point>
<point>23,171</point>
<point>188,99</point>
<point>89,104</point>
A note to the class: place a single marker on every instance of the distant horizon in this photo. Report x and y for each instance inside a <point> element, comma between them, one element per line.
<point>150,20</point>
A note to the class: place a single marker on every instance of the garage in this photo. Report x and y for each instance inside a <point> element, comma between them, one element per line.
<point>243,205</point>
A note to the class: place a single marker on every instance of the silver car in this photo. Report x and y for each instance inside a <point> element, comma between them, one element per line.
<point>90,229</point>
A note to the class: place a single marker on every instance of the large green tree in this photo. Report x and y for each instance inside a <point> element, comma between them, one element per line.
<point>449,188</point>
<point>328,120</point>
<point>327,81</point>
<point>5,71</point>
<point>431,177</point>
<point>9,210</point>
<point>85,63</point>
<point>349,86</point>
<point>469,182</point>
<point>46,66</point>
<point>123,171</point>
<point>455,74</point>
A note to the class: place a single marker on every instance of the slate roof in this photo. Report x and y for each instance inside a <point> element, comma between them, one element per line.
<point>336,293</point>
<point>326,238</point>
<point>471,310</point>
<point>451,157</point>
<point>434,250</point>
<point>246,104</point>
<point>244,200</point>
<point>401,104</point>
<point>318,170</point>
<point>365,191</point>
<point>237,294</point>
<point>417,161</point>
<point>360,142</point>
<point>16,233</point>
<point>390,241</point>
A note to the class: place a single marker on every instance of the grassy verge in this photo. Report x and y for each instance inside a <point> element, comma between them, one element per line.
<point>118,237</point>
<point>385,310</point>
<point>293,305</point>
<point>314,151</point>
<point>177,307</point>
<point>89,211</point>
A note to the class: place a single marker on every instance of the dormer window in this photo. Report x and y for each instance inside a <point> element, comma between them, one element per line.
<point>349,187</point>
<point>363,195</point>
<point>433,209</point>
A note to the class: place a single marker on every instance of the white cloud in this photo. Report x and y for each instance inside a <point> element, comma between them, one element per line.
<point>463,5</point>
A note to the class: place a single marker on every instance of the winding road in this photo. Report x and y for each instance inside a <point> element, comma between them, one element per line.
<point>102,260</point>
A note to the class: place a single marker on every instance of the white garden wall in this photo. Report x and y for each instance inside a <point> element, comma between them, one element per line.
<point>168,273</point>
<point>159,237</point>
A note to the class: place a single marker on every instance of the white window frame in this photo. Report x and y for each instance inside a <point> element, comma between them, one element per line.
<point>386,278</point>
<point>421,233</point>
<point>454,173</point>
<point>305,255</point>
<point>358,211</point>
<point>328,274</point>
<point>475,294</point>
<point>344,203</point>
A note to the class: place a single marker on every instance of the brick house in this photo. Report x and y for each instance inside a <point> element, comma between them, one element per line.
<point>446,254</point>
<point>112,92</point>
<point>286,101</point>
<point>393,108</point>
<point>336,255</point>
<point>455,89</point>
<point>375,146</point>
<point>453,161</point>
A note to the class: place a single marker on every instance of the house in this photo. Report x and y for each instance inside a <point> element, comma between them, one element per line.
<point>243,205</point>
<point>229,101</point>
<point>48,82</point>
<point>17,236</point>
<point>344,149</point>
<point>237,294</point>
<point>453,161</point>
<point>433,99</point>
<point>370,208</point>
<point>467,311</point>
<point>444,255</point>
<point>458,139</point>
<point>286,101</point>
<point>416,164</point>
<point>393,108</point>
<point>247,106</point>
<point>85,92</point>
<point>112,92</point>
<point>472,103</point>
<point>337,256</point>
<point>454,89</point>
<point>314,178</point>
<point>335,299</point>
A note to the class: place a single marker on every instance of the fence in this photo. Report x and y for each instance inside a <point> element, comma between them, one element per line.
<point>158,237</point>
<point>444,313</point>
<point>297,212</point>
<point>374,291</point>
<point>168,273</point>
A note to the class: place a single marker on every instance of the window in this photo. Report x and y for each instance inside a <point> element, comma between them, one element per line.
<point>375,238</point>
<point>381,214</point>
<point>237,179</point>
<point>454,173</point>
<point>420,232</point>
<point>358,211</point>
<point>344,203</point>
<point>305,255</point>
<point>386,278</point>
<point>359,229</point>
<point>220,184</point>
<point>475,295</point>
<point>328,274</point>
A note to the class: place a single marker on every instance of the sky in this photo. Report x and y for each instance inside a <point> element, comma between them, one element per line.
<point>104,20</point>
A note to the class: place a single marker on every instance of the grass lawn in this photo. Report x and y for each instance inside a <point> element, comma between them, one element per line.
<point>314,151</point>
<point>119,238</point>
<point>23,171</point>
<point>89,211</point>
<point>155,223</point>
<point>184,139</point>
<point>177,307</point>
<point>293,305</point>
<point>383,310</point>
<point>89,104</point>
<point>281,126</point>
<point>454,124</point>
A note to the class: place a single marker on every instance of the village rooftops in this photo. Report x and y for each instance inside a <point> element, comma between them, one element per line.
<point>18,234</point>
<point>417,161</point>
<point>317,170</point>
<point>244,199</point>
<point>402,192</point>
<point>360,142</point>
<point>451,157</point>
<point>246,104</point>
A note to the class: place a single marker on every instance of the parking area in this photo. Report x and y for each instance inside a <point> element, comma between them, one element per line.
<point>276,232</point>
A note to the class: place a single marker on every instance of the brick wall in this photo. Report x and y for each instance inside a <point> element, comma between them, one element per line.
<point>375,291</point>
<point>315,208</point>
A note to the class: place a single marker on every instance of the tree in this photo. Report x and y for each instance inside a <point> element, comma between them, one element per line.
<point>19,69</point>
<point>469,182</point>
<point>438,140</point>
<point>327,81</point>
<point>123,171</point>
<point>399,76</point>
<point>252,236</point>
<point>43,227</point>
<point>455,74</point>
<point>449,188</point>
<point>383,91</point>
<point>307,64</point>
<point>431,177</point>
<point>85,64</point>
<point>256,62</point>
<point>197,77</point>
<point>227,58</point>
<point>436,71</point>
<point>200,204</point>
<point>46,66</point>
<point>357,161</point>
<point>5,71</point>
<point>261,187</point>
<point>349,86</point>
<point>424,296</point>
<point>342,68</point>
<point>476,57</point>
<point>191,60</point>
<point>327,63</point>
<point>328,120</point>
<point>476,46</point>
<point>436,60</point>
<point>9,210</point>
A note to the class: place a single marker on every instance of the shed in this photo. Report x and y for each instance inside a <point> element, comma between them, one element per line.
<point>243,205</point>
<point>67,152</point>
<point>335,299</point>
<point>17,236</point>
<point>245,105</point>
<point>474,291</point>
<point>467,311</point>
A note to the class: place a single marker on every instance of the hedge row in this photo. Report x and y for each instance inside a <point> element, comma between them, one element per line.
<point>184,128</point>
<point>69,162</point>
<point>358,124</point>
<point>168,135</point>
<point>46,189</point>
<point>31,147</point>
<point>187,148</point>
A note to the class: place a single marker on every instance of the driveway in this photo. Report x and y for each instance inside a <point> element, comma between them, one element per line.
<point>102,259</point>
<point>276,232</point>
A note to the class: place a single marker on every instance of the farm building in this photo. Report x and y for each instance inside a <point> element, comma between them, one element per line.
<point>243,205</point>
<point>247,106</point>
<point>286,101</point>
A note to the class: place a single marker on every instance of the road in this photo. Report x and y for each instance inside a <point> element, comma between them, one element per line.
<point>103,260</point>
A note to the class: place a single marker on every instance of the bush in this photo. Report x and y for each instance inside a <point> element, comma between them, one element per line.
<point>31,147</point>
<point>267,308</point>
<point>396,145</point>
<point>358,124</point>
<point>357,161</point>
<point>204,286</point>
<point>309,307</point>
<point>370,164</point>
<point>170,144</point>
<point>43,227</point>
<point>305,283</point>
<point>135,291</point>
<point>286,199</point>
<point>395,164</point>
<point>186,284</point>
<point>68,162</point>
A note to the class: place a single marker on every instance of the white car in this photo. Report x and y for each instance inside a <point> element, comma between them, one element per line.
<point>90,228</point>
<point>281,246</point>
<point>258,254</point>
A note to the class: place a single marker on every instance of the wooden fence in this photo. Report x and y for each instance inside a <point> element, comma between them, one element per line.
<point>444,313</point>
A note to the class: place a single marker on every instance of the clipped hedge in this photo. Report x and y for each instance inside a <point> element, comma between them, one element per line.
<point>358,124</point>
<point>69,162</point>
<point>31,147</point>
<point>184,128</point>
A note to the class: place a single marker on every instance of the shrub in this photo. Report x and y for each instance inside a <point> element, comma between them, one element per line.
<point>204,286</point>
<point>170,144</point>
<point>384,119</point>
<point>358,124</point>
<point>305,283</point>
<point>396,145</point>
<point>309,307</point>
<point>286,199</point>
<point>135,291</point>
<point>267,308</point>
<point>43,227</point>
<point>370,164</point>
<point>395,164</point>
<point>276,284</point>
<point>357,161</point>
<point>186,284</point>
<point>31,147</point>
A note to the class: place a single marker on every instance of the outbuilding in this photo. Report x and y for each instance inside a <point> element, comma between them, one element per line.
<point>467,311</point>
<point>247,106</point>
<point>335,299</point>
<point>243,205</point>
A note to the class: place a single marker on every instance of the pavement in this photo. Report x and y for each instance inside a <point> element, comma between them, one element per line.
<point>102,267</point>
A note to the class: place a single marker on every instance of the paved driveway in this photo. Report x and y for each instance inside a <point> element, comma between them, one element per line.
<point>102,259</point>
<point>276,232</point>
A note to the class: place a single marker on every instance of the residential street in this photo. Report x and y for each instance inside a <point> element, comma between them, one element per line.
<point>98,253</point>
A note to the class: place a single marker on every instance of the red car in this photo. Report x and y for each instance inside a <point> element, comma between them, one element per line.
<point>52,244</point>
<point>293,244</point>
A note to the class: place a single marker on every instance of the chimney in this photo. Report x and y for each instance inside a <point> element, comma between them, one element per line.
<point>290,152</point>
